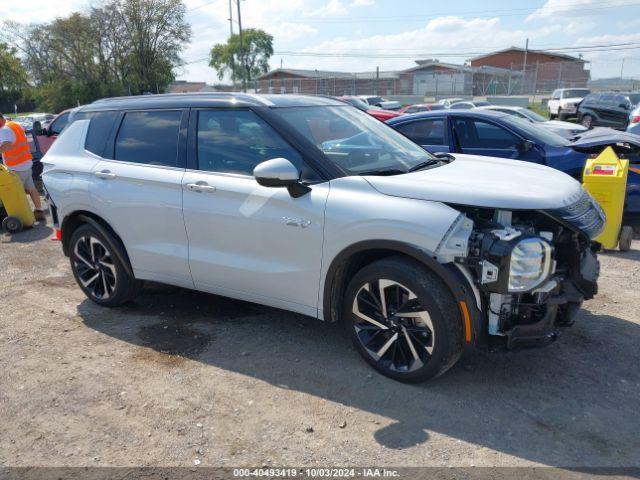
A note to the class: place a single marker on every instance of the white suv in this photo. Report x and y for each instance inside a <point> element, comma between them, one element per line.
<point>564,102</point>
<point>310,205</point>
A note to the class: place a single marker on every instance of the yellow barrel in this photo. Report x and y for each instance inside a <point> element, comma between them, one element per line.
<point>605,177</point>
<point>14,198</point>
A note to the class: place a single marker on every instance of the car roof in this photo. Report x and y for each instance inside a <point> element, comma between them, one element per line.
<point>208,99</point>
<point>505,107</point>
<point>475,113</point>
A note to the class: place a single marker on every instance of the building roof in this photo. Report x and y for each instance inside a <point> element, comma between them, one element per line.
<point>423,64</point>
<point>327,74</point>
<point>518,49</point>
<point>306,73</point>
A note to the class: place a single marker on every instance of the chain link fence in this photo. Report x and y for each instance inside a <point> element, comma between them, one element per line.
<point>534,79</point>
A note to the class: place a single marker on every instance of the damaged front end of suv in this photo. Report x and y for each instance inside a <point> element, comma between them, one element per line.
<point>531,270</point>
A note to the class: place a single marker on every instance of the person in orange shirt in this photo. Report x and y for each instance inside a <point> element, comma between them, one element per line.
<point>16,156</point>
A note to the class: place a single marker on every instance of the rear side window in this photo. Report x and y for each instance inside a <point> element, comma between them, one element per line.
<point>426,132</point>
<point>236,141</point>
<point>99,129</point>
<point>149,137</point>
<point>59,123</point>
<point>591,99</point>
<point>479,134</point>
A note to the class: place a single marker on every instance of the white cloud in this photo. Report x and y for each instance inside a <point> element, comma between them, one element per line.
<point>362,3</point>
<point>557,9</point>
<point>288,31</point>
<point>334,8</point>
<point>480,35</point>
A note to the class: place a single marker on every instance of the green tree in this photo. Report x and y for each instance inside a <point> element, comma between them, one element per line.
<point>13,77</point>
<point>243,60</point>
<point>123,47</point>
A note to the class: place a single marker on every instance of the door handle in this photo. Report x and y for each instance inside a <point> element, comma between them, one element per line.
<point>201,187</point>
<point>105,174</point>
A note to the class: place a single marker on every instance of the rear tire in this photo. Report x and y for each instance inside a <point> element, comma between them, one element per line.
<point>587,121</point>
<point>98,269</point>
<point>403,320</point>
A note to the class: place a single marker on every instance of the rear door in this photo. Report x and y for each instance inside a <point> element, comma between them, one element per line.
<point>431,133</point>
<point>137,189</point>
<point>245,240</point>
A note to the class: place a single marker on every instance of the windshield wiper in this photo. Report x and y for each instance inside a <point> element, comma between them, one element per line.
<point>440,158</point>
<point>384,171</point>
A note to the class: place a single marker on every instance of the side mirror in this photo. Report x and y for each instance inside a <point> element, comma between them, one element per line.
<point>280,172</point>
<point>526,146</point>
<point>37,128</point>
<point>624,106</point>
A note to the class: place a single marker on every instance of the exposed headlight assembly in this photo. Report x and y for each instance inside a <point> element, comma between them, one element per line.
<point>530,264</point>
<point>514,263</point>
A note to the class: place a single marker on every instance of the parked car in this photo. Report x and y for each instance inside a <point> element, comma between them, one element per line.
<point>310,205</point>
<point>447,102</point>
<point>381,102</point>
<point>376,112</point>
<point>49,134</point>
<point>468,104</point>
<point>607,109</point>
<point>421,107</point>
<point>564,102</point>
<point>497,134</point>
<point>562,128</point>
<point>634,121</point>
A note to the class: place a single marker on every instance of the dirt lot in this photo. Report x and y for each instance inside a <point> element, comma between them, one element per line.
<point>179,377</point>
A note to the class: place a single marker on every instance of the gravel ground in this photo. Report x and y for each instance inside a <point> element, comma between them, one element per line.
<point>179,377</point>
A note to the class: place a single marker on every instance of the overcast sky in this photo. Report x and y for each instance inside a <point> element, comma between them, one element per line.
<point>401,29</point>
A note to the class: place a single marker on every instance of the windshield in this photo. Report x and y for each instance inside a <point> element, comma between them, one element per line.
<point>23,120</point>
<point>357,102</point>
<point>535,132</point>
<point>530,114</point>
<point>481,104</point>
<point>375,99</point>
<point>575,93</point>
<point>353,140</point>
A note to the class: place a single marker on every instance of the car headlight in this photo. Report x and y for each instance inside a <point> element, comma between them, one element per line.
<point>530,264</point>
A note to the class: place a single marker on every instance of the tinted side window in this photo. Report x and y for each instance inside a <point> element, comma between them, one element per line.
<point>426,132</point>
<point>607,99</point>
<point>59,123</point>
<point>461,106</point>
<point>591,100</point>
<point>235,141</point>
<point>479,134</point>
<point>99,129</point>
<point>149,137</point>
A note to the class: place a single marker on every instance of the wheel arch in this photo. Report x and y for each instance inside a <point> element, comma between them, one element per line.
<point>353,258</point>
<point>80,217</point>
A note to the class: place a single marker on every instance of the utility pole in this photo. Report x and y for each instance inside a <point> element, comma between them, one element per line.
<point>622,69</point>
<point>230,19</point>
<point>524,64</point>
<point>242,59</point>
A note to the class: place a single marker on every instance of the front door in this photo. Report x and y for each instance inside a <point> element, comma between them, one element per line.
<point>248,241</point>
<point>137,189</point>
<point>480,137</point>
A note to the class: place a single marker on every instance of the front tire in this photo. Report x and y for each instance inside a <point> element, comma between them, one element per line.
<point>98,269</point>
<point>403,320</point>
<point>551,115</point>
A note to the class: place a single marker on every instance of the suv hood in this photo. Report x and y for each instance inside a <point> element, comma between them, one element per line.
<point>485,182</point>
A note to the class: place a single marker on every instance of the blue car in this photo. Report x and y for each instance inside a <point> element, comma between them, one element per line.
<point>497,134</point>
